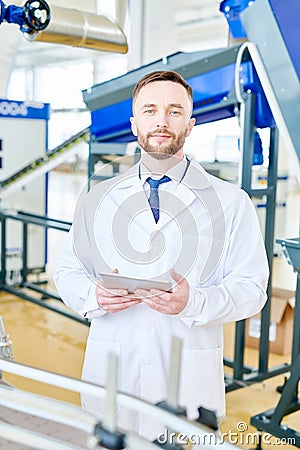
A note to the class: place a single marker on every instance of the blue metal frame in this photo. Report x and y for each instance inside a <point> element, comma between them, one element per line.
<point>231,10</point>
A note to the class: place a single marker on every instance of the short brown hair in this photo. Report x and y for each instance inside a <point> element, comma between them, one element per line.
<point>162,75</point>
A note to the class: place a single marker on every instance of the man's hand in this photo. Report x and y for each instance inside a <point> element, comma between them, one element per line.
<point>114,300</point>
<point>167,302</point>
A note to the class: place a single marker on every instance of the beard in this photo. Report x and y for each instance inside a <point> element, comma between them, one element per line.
<point>162,151</point>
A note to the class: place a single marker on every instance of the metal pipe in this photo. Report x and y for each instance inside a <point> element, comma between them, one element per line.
<point>53,410</point>
<point>82,29</point>
<point>110,416</point>
<point>174,375</point>
<point>175,422</point>
<point>47,408</point>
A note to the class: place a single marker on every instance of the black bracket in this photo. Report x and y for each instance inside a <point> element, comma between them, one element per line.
<point>177,411</point>
<point>208,418</point>
<point>113,440</point>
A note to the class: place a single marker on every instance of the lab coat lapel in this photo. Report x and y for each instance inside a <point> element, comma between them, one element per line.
<point>129,195</point>
<point>171,205</point>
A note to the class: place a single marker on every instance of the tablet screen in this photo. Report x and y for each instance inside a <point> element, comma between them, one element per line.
<point>117,281</point>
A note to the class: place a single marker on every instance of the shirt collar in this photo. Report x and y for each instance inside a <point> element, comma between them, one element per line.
<point>176,173</point>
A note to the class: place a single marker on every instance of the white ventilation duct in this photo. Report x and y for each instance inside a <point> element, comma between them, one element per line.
<point>81,29</point>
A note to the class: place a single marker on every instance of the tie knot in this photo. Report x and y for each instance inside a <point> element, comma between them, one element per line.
<point>155,183</point>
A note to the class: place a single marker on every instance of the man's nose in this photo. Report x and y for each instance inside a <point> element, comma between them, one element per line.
<point>162,120</point>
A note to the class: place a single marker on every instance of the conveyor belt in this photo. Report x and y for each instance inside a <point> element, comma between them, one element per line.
<point>43,164</point>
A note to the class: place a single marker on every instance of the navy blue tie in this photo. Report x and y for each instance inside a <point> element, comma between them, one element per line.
<point>153,198</point>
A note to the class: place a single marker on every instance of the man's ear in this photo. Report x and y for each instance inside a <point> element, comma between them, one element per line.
<point>133,126</point>
<point>190,126</point>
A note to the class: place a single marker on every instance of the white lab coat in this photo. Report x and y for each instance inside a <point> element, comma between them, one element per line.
<point>209,232</point>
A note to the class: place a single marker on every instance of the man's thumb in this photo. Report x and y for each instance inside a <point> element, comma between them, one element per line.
<point>176,276</point>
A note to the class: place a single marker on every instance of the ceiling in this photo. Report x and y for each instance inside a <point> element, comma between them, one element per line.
<point>193,25</point>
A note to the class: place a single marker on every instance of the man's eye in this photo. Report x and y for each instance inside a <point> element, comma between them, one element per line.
<point>174,113</point>
<point>149,111</point>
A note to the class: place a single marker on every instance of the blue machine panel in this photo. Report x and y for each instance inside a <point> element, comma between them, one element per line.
<point>212,87</point>
<point>288,15</point>
<point>111,123</point>
<point>24,110</point>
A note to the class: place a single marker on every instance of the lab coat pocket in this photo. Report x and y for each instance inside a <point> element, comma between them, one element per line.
<point>95,370</point>
<point>96,360</point>
<point>202,381</point>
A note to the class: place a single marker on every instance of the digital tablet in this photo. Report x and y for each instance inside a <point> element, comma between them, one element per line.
<point>117,281</point>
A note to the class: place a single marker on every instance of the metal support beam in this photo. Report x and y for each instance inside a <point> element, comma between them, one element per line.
<point>269,243</point>
<point>43,221</point>
<point>24,252</point>
<point>242,374</point>
<point>3,250</point>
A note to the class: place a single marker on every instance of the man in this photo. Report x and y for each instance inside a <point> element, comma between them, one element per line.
<point>201,232</point>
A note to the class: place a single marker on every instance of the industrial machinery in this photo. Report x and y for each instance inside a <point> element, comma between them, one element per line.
<point>231,82</point>
<point>23,186</point>
<point>23,138</point>
<point>271,421</point>
<point>245,81</point>
<point>277,43</point>
<point>40,22</point>
<point>258,82</point>
<point>34,16</point>
<point>68,427</point>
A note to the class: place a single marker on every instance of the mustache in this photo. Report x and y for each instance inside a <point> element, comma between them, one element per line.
<point>161,131</point>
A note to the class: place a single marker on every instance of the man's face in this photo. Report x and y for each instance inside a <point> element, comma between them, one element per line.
<point>161,119</point>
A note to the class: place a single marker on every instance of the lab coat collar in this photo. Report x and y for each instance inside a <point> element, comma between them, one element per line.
<point>129,184</point>
<point>195,178</point>
<point>176,173</point>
